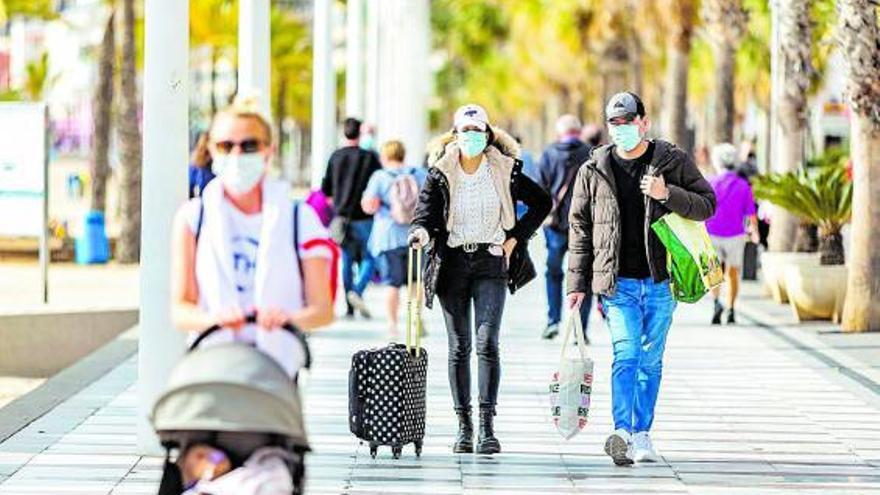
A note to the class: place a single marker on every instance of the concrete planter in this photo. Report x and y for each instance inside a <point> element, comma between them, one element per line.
<point>773,266</point>
<point>816,292</point>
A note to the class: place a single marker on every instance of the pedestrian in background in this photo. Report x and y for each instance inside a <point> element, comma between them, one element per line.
<point>345,180</point>
<point>391,197</point>
<point>200,171</point>
<point>477,250</point>
<point>618,193</point>
<point>592,135</point>
<point>558,166</point>
<point>727,228</point>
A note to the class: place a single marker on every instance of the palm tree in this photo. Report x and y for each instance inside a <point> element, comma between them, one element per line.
<point>102,106</point>
<point>684,18</point>
<point>128,125</point>
<point>725,23</point>
<point>291,70</point>
<point>789,109</point>
<point>859,36</point>
<point>213,24</point>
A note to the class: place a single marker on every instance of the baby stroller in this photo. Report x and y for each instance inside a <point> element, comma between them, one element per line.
<point>234,398</point>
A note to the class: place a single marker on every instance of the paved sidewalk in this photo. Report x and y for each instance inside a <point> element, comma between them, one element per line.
<point>741,411</point>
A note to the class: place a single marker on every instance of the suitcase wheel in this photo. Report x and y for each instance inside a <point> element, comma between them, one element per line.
<point>374,449</point>
<point>396,451</point>
<point>418,445</point>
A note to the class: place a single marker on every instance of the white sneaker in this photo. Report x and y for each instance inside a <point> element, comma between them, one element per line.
<point>357,302</point>
<point>644,448</point>
<point>619,448</point>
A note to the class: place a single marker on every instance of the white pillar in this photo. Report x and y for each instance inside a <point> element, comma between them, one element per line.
<point>354,54</point>
<point>166,103</point>
<point>323,90</point>
<point>371,105</point>
<point>404,75</point>
<point>254,51</point>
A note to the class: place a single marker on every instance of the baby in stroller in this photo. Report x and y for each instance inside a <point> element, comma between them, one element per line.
<point>236,433</point>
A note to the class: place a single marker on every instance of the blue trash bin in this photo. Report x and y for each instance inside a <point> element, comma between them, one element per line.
<point>92,247</point>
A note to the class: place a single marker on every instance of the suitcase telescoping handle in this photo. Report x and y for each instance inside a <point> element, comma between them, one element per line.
<point>414,300</point>
<point>252,318</point>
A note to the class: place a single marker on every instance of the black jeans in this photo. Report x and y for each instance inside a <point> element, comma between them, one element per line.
<point>479,278</point>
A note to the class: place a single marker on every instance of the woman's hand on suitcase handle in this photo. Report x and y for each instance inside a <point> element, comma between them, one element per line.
<point>418,238</point>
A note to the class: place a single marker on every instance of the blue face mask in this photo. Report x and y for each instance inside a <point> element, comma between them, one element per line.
<point>367,143</point>
<point>626,136</point>
<point>472,143</point>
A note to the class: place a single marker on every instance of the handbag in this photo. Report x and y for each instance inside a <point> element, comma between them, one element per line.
<point>694,267</point>
<point>572,384</point>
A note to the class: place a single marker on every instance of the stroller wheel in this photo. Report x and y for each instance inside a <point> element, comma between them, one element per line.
<point>396,451</point>
<point>418,446</point>
<point>373,450</point>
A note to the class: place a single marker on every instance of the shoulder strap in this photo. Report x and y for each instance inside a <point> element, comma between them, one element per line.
<point>201,217</point>
<point>296,240</point>
<point>571,171</point>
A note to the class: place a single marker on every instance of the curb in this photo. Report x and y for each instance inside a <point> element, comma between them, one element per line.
<point>26,409</point>
<point>804,341</point>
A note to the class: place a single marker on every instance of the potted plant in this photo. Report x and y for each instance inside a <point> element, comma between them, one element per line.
<point>821,196</point>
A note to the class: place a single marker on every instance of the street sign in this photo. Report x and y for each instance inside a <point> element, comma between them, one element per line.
<point>24,191</point>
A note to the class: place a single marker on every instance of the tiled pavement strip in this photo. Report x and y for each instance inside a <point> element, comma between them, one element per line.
<point>740,412</point>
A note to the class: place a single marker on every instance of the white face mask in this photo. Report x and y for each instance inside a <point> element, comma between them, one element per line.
<point>240,173</point>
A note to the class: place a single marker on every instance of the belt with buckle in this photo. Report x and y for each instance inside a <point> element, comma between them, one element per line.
<point>473,247</point>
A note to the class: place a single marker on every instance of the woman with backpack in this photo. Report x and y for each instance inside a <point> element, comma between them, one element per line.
<point>477,249</point>
<point>391,196</point>
<point>244,248</point>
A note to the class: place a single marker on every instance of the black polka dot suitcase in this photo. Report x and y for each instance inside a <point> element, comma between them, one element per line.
<point>386,397</point>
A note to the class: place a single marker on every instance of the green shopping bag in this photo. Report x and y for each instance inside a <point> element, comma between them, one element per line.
<point>694,267</point>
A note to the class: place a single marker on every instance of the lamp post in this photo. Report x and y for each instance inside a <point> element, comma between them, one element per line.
<point>165,153</point>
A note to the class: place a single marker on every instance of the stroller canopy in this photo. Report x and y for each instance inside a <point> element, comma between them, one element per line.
<point>230,388</point>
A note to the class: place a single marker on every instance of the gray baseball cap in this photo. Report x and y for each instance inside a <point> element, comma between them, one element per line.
<point>626,104</point>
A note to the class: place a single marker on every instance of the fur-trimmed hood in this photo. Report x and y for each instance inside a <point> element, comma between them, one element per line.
<point>443,145</point>
<point>501,155</point>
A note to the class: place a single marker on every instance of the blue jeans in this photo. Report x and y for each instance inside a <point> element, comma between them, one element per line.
<point>354,250</point>
<point>639,316</point>
<point>557,245</point>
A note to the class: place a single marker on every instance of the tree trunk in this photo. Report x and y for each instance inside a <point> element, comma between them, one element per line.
<point>861,311</point>
<point>280,114</point>
<point>831,248</point>
<point>806,238</point>
<point>102,107</point>
<point>636,65</point>
<point>615,61</point>
<point>722,125</point>
<point>859,36</point>
<point>128,247</point>
<point>213,81</point>
<point>789,109</point>
<point>676,95</point>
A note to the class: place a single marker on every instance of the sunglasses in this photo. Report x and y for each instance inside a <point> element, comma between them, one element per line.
<point>245,146</point>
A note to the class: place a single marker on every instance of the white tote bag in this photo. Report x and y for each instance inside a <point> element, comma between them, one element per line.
<point>572,384</point>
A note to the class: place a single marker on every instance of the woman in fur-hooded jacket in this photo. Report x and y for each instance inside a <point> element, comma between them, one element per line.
<point>477,250</point>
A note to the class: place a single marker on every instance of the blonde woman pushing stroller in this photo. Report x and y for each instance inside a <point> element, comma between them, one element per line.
<point>244,256</point>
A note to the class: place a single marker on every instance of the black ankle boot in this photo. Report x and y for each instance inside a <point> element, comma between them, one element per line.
<point>464,440</point>
<point>486,441</point>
